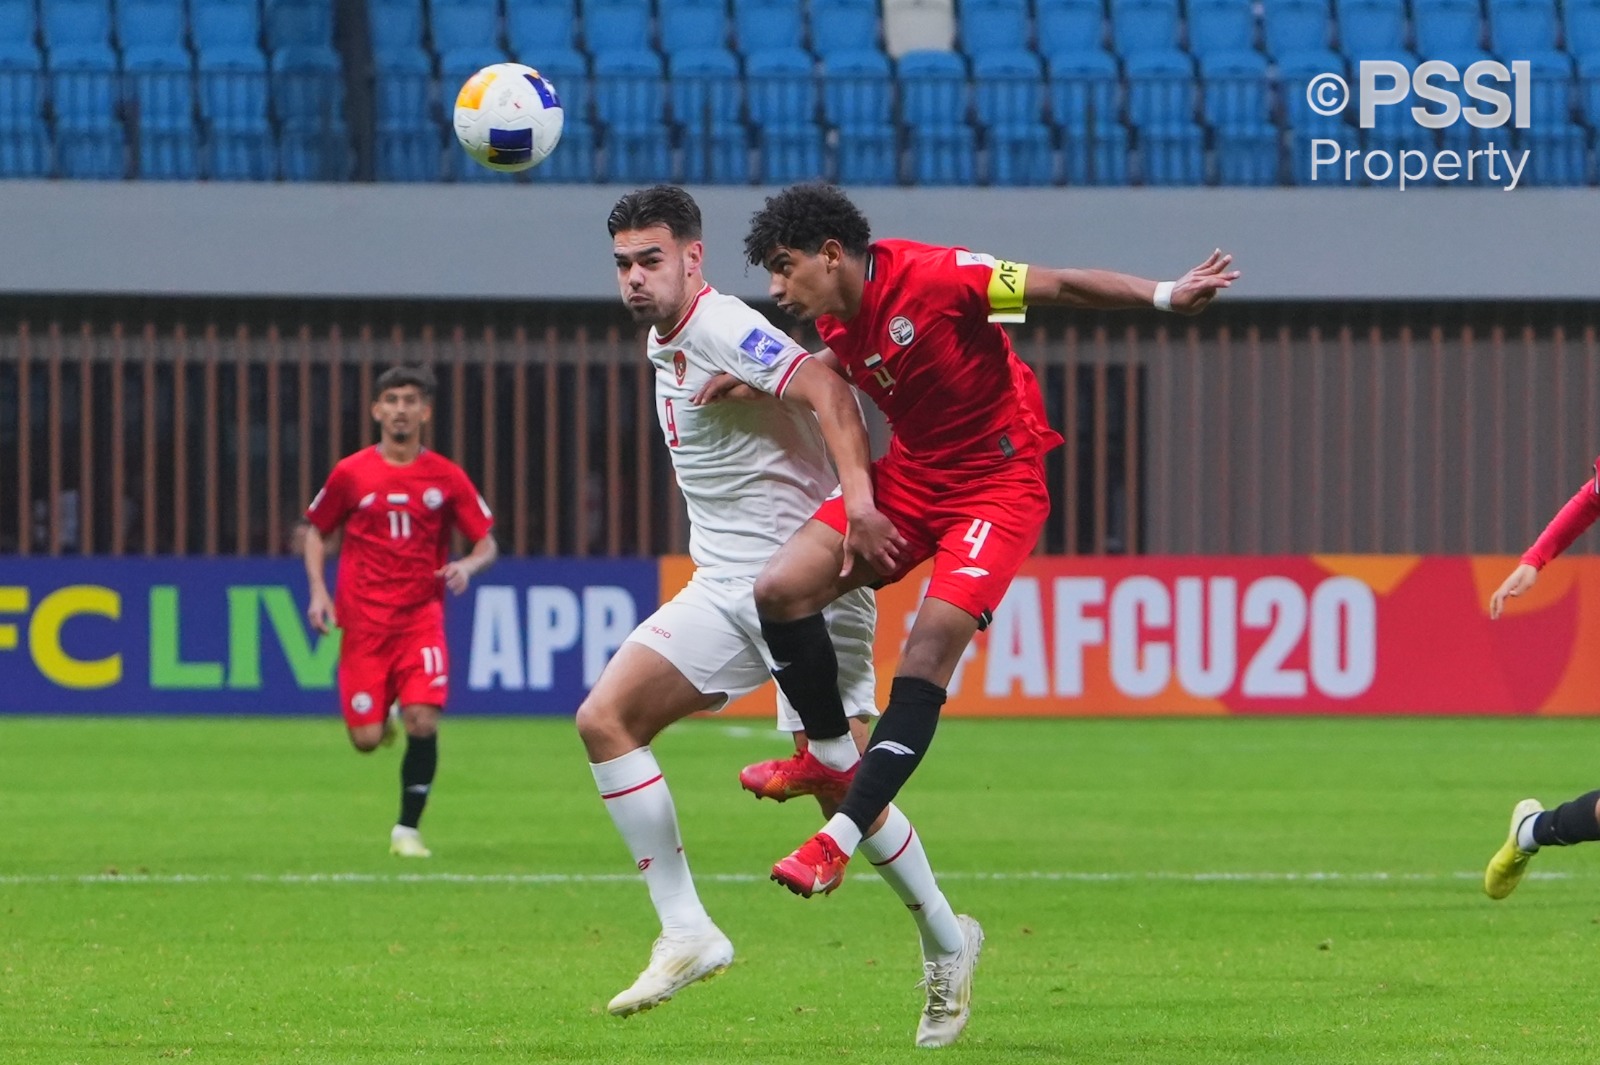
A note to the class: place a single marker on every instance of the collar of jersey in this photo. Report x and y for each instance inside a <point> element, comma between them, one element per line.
<point>688,314</point>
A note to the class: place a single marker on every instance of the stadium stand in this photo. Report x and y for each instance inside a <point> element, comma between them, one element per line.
<point>1003,92</point>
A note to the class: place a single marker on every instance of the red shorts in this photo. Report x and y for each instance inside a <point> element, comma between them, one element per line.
<point>977,528</point>
<point>378,669</point>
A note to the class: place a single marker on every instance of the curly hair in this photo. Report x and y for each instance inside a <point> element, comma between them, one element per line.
<point>419,377</point>
<point>805,217</point>
<point>659,205</point>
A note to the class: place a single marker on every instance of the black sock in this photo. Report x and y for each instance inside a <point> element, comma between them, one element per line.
<point>1571,822</point>
<point>808,673</point>
<point>421,761</point>
<point>898,744</point>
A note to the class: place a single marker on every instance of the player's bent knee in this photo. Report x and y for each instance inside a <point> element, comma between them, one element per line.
<point>599,725</point>
<point>366,738</point>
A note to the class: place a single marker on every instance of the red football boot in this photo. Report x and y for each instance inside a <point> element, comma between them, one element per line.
<point>799,774</point>
<point>818,866</point>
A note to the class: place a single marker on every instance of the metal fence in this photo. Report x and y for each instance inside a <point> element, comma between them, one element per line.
<point>1250,430</point>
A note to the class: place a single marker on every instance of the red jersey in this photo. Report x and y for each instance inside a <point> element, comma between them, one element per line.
<point>397,522</point>
<point>924,348</point>
<point>1569,524</point>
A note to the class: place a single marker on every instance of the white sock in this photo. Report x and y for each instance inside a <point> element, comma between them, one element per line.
<point>838,753</point>
<point>895,850</point>
<point>1525,841</point>
<point>638,801</point>
<point>844,832</point>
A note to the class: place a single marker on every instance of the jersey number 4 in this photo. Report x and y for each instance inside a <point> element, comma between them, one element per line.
<point>977,533</point>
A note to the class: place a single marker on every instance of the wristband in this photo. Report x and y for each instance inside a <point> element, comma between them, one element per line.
<point>1163,297</point>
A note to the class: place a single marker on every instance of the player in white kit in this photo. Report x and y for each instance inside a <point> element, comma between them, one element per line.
<point>752,472</point>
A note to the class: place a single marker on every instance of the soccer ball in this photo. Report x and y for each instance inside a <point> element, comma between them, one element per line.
<point>508,117</point>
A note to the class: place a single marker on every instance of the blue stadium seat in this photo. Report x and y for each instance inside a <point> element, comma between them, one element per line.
<point>299,24</point>
<point>857,99</point>
<point>395,27</point>
<point>1295,27</point>
<point>1369,29</point>
<point>1008,98</point>
<point>993,26</point>
<point>837,28</point>
<point>1520,28</point>
<point>1161,88</point>
<point>161,100</point>
<point>410,152</point>
<point>1144,26</point>
<point>24,144</point>
<point>1071,26</point>
<point>1447,27</point>
<point>308,100</point>
<point>781,89</point>
<point>1085,92</point>
<point>933,89</point>
<point>630,100</point>
<point>70,25</point>
<point>227,31</point>
<point>234,91</point>
<point>1238,108</point>
<point>1096,156</point>
<point>1589,88</point>
<point>1581,23</point>
<point>705,92</point>
<point>766,26</point>
<point>1559,156</point>
<point>85,94</point>
<point>1552,101</point>
<point>574,158</point>
<point>789,154</point>
<point>466,37</point>
<point>1161,107</point>
<point>1221,26</point>
<point>19,26</point>
<point>688,28</point>
<point>933,109</point>
<point>856,90</point>
<point>537,30</point>
<point>402,89</point>
<point>612,28</point>
<point>1295,73</point>
<point>151,33</point>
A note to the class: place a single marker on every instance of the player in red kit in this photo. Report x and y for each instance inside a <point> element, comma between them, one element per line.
<point>912,326</point>
<point>397,503</point>
<point>1577,821</point>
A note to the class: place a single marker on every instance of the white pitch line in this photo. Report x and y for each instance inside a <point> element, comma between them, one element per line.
<point>537,879</point>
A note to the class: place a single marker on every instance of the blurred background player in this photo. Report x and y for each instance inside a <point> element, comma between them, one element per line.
<point>751,473</point>
<point>1578,821</point>
<point>963,480</point>
<point>396,503</point>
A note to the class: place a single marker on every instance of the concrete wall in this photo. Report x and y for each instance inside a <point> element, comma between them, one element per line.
<point>549,242</point>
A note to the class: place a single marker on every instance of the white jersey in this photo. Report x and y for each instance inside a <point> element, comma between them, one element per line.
<point>752,472</point>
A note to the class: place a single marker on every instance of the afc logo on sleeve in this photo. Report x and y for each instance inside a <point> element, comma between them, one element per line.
<point>762,346</point>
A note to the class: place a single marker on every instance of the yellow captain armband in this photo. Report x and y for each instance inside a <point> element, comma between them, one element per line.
<point>1006,285</point>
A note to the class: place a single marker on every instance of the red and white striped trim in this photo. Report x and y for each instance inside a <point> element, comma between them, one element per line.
<point>630,791</point>
<point>789,373</point>
<point>911,835</point>
<point>688,314</point>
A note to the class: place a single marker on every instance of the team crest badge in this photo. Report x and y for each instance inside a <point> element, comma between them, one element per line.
<point>361,702</point>
<point>433,499</point>
<point>901,330</point>
<point>680,365</point>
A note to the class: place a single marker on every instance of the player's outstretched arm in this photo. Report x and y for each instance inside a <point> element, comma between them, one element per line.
<point>320,611</point>
<point>1568,524</point>
<point>870,535</point>
<point>1108,290</point>
<point>458,574</point>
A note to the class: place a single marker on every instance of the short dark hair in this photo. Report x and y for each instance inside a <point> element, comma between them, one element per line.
<point>659,205</point>
<point>419,377</point>
<point>805,217</point>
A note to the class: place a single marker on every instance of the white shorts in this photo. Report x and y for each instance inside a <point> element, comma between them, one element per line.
<point>711,633</point>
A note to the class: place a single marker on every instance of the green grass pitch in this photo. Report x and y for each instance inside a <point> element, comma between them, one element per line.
<point>1153,891</point>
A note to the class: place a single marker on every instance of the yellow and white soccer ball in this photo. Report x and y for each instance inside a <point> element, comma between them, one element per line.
<point>508,117</point>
